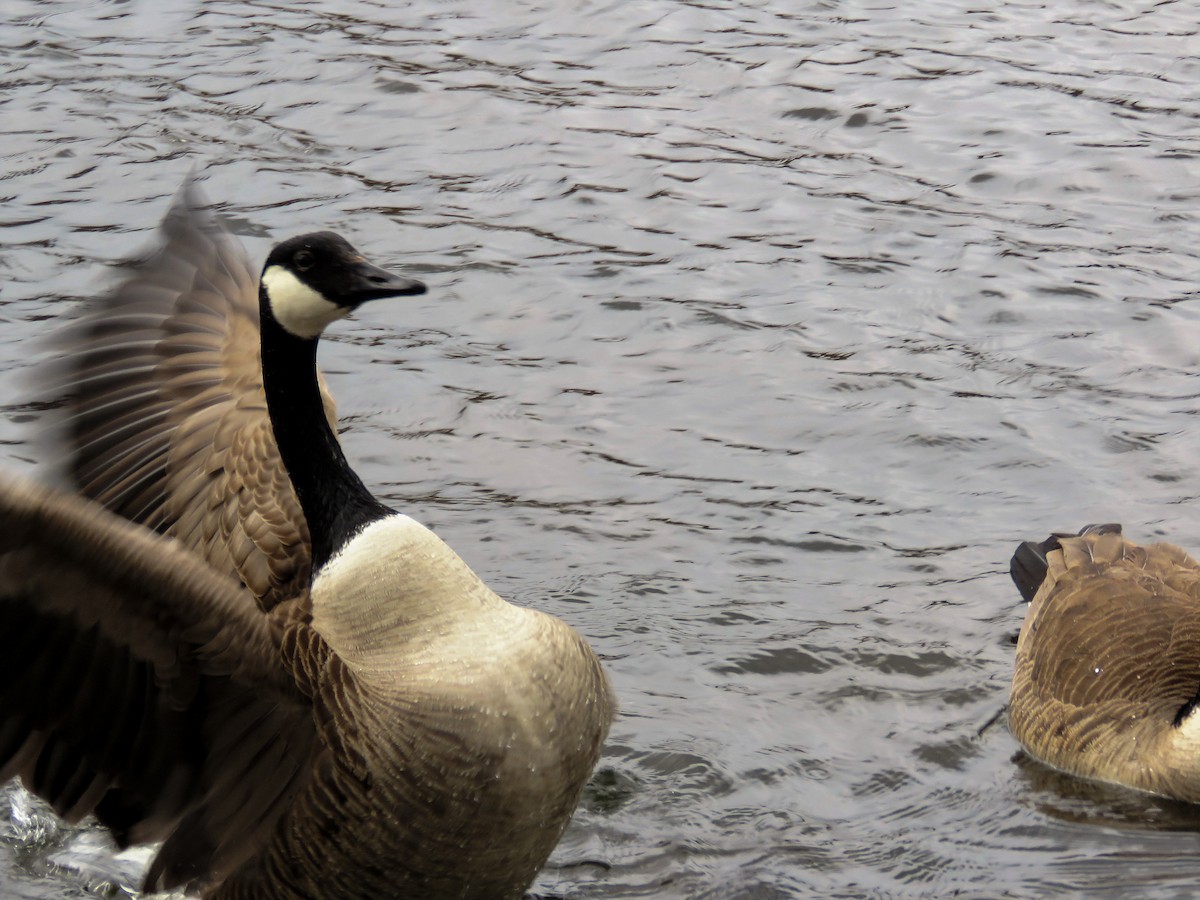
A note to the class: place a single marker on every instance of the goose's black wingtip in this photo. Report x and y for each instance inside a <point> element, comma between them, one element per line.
<point>1186,710</point>
<point>1028,567</point>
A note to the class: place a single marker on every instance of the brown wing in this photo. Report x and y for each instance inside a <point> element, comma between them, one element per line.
<point>1108,657</point>
<point>138,684</point>
<point>166,419</point>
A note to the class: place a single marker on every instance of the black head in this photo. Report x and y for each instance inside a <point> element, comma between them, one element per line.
<point>314,279</point>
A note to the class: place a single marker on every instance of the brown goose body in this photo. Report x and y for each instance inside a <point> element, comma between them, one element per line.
<point>1108,661</point>
<point>396,730</point>
<point>405,763</point>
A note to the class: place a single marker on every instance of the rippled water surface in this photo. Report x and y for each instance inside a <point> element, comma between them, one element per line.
<point>757,335</point>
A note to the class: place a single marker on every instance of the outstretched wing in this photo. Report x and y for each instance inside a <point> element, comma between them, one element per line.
<point>138,684</point>
<point>165,415</point>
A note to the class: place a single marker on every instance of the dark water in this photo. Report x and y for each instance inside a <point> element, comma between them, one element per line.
<point>757,335</point>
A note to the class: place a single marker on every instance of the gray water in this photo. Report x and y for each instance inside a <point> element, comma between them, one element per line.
<point>758,334</point>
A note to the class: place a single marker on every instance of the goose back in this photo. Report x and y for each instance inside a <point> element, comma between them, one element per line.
<point>1108,664</point>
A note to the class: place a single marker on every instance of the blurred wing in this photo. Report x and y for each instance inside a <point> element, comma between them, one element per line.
<point>166,419</point>
<point>139,685</point>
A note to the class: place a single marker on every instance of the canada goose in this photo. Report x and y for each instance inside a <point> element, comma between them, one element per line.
<point>396,730</point>
<point>1108,660</point>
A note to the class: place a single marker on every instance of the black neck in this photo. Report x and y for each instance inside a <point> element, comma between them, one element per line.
<point>335,502</point>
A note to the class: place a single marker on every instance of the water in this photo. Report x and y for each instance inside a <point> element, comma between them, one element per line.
<point>757,335</point>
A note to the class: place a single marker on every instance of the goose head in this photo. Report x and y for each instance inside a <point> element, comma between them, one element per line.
<point>315,279</point>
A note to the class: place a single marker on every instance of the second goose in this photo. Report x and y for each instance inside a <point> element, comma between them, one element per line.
<point>1107,680</point>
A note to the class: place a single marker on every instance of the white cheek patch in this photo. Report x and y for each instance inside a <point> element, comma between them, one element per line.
<point>297,307</point>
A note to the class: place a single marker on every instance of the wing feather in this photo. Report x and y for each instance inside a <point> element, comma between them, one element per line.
<point>163,702</point>
<point>165,416</point>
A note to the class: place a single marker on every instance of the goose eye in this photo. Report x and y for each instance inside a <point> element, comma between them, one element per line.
<point>304,260</point>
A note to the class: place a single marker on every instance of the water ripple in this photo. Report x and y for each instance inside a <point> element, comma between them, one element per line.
<point>757,334</point>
